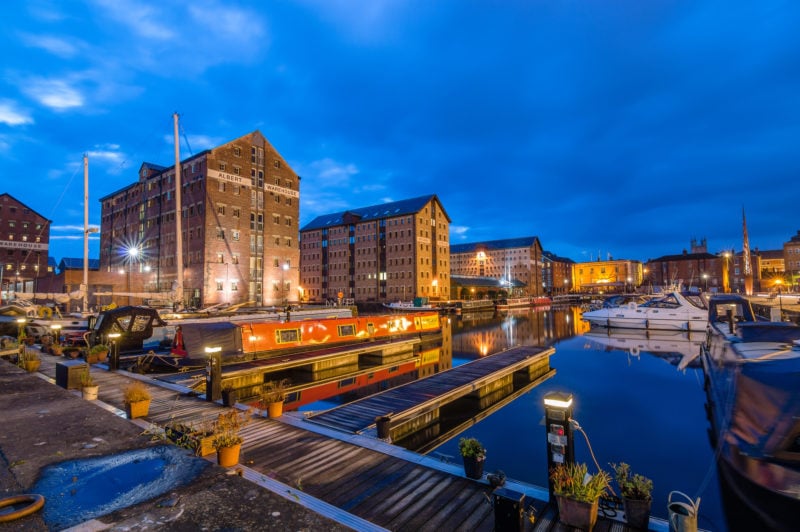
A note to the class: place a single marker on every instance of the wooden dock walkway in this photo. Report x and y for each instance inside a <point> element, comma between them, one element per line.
<point>430,393</point>
<point>359,481</point>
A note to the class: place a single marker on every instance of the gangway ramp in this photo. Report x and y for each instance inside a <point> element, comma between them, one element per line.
<point>426,395</point>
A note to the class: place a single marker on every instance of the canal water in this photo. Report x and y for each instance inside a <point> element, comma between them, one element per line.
<point>632,398</point>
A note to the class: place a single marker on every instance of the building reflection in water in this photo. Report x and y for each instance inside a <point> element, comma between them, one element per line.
<point>463,338</point>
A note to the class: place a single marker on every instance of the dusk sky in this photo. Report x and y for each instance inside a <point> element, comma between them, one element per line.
<point>622,128</point>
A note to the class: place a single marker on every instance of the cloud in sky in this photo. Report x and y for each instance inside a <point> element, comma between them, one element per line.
<point>626,128</point>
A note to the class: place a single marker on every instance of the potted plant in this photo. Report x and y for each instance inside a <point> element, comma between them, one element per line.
<point>98,353</point>
<point>578,493</point>
<point>199,439</point>
<point>474,455</point>
<point>227,440</point>
<point>89,388</point>
<point>273,393</point>
<point>29,359</point>
<point>72,351</point>
<point>137,400</point>
<point>636,493</point>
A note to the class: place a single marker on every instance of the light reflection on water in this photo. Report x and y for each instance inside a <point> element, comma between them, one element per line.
<point>634,405</point>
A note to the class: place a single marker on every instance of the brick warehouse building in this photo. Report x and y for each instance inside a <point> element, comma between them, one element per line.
<point>508,260</point>
<point>24,245</point>
<point>240,210</point>
<point>388,252</point>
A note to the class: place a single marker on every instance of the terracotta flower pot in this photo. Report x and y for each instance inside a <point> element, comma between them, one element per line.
<point>275,409</point>
<point>473,466</point>
<point>229,456</point>
<point>90,392</point>
<point>637,512</point>
<point>577,514</point>
<point>137,409</point>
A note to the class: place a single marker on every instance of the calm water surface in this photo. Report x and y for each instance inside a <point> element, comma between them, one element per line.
<point>638,408</point>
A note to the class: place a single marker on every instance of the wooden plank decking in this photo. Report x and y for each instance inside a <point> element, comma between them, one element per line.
<point>362,482</point>
<point>428,393</point>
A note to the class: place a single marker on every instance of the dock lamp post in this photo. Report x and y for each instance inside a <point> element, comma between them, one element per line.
<point>779,284</point>
<point>213,373</point>
<point>113,359</point>
<point>133,254</point>
<point>560,443</point>
<point>21,332</point>
<point>705,280</point>
<point>56,334</point>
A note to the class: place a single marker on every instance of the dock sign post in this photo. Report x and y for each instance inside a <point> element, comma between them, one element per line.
<point>560,443</point>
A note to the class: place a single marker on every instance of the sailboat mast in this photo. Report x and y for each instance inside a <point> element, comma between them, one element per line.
<point>85,286</point>
<point>178,215</point>
<point>746,262</point>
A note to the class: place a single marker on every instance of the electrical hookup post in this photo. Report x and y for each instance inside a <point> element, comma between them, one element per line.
<point>560,441</point>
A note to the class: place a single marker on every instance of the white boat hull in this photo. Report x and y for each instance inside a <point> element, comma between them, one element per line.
<point>672,313</point>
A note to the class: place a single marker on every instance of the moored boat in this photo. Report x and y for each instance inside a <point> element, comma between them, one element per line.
<point>252,339</point>
<point>523,302</point>
<point>752,370</point>
<point>672,311</point>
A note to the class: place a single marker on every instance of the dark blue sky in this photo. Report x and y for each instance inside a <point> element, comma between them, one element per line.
<point>622,128</point>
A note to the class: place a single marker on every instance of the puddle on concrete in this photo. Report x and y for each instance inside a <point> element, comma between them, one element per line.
<point>79,490</point>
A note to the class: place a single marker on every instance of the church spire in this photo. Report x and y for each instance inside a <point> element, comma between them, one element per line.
<point>747,264</point>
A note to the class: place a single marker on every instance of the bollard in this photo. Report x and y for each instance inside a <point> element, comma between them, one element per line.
<point>384,425</point>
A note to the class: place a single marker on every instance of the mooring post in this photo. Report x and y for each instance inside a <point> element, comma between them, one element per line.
<point>560,443</point>
<point>213,374</point>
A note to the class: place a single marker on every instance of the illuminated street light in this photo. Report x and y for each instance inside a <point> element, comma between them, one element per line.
<point>705,278</point>
<point>779,284</point>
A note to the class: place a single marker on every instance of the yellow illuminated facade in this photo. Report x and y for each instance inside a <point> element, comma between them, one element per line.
<point>607,276</point>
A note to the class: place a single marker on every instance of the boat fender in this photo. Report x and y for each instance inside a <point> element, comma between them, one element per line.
<point>45,312</point>
<point>35,502</point>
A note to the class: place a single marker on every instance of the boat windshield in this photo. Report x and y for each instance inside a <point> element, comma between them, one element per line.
<point>668,301</point>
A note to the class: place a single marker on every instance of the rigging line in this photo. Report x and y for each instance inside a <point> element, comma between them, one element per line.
<point>55,206</point>
<point>186,140</point>
<point>153,134</point>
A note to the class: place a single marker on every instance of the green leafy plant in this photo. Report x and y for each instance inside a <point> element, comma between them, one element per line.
<point>573,481</point>
<point>471,447</point>
<point>136,391</point>
<point>632,486</point>
<point>98,349</point>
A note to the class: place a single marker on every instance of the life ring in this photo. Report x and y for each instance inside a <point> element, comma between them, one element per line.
<point>35,503</point>
<point>45,312</point>
<point>635,351</point>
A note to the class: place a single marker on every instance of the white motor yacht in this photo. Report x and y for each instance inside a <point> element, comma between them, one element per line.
<point>670,312</point>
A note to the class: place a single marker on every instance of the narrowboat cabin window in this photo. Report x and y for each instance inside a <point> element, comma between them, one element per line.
<point>347,382</point>
<point>347,330</point>
<point>284,336</point>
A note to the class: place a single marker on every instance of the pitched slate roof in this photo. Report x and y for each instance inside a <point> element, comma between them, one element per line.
<point>68,263</point>
<point>373,212</point>
<point>508,243</point>
<point>685,256</point>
